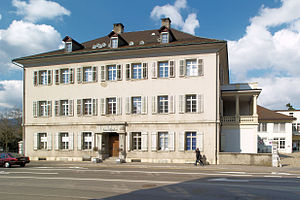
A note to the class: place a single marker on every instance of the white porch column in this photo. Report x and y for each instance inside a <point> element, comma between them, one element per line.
<point>237,106</point>
<point>255,105</point>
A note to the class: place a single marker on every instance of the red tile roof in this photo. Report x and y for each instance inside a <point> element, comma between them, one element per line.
<point>265,114</point>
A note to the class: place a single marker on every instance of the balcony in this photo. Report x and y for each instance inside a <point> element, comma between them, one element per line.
<point>244,119</point>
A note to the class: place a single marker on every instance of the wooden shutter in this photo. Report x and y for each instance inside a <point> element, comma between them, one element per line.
<point>181,103</point>
<point>79,107</point>
<point>35,141</point>
<point>199,140</point>
<point>181,141</point>
<point>103,106</point>
<point>56,141</point>
<point>95,74</point>
<point>34,108</point>
<point>144,105</point>
<point>79,75</point>
<point>154,141</point>
<point>154,105</point>
<point>144,141</point>
<point>71,141</point>
<point>103,73</point>
<point>182,68</point>
<point>200,67</point>
<point>35,78</point>
<point>200,103</point>
<point>56,108</point>
<point>145,70</point>
<point>79,141</point>
<point>71,76</point>
<point>128,141</point>
<point>119,72</point>
<point>154,70</point>
<point>49,108</point>
<point>128,105</point>
<point>95,107</point>
<point>71,108</point>
<point>49,73</point>
<point>171,102</point>
<point>119,106</point>
<point>128,72</point>
<point>56,75</point>
<point>171,68</point>
<point>49,141</point>
<point>171,141</point>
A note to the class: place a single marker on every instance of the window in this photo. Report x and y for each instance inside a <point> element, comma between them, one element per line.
<point>165,37</point>
<point>112,72</point>
<point>87,106</point>
<point>87,140</point>
<point>296,127</point>
<point>42,109</point>
<point>136,71</point>
<point>163,69</point>
<point>191,67</point>
<point>42,77</point>
<point>280,142</point>
<point>191,103</point>
<point>87,74</point>
<point>163,141</point>
<point>136,141</point>
<point>136,105</point>
<point>279,127</point>
<point>163,104</point>
<point>64,141</point>
<point>68,46</point>
<point>64,76</point>
<point>114,42</point>
<point>64,107</point>
<point>262,127</point>
<point>111,106</point>
<point>42,138</point>
<point>190,141</point>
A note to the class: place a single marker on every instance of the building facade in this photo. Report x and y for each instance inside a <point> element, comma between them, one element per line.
<point>149,96</point>
<point>295,127</point>
<point>274,126</point>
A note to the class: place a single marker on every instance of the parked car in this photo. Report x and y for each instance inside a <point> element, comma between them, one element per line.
<point>9,159</point>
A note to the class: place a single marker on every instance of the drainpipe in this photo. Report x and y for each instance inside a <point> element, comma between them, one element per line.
<point>217,100</point>
<point>23,106</point>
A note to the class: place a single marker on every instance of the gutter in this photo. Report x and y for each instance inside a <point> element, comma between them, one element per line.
<point>23,102</point>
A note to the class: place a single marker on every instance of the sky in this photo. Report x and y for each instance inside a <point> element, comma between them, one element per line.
<point>263,36</point>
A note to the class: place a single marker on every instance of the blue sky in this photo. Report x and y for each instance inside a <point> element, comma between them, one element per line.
<point>263,36</point>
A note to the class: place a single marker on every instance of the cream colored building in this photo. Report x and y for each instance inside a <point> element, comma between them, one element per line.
<point>149,96</point>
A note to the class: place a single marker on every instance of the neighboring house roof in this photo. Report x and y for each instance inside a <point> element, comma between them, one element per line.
<point>135,40</point>
<point>265,114</point>
<point>287,110</point>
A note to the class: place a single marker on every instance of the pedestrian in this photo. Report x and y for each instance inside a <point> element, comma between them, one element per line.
<point>198,157</point>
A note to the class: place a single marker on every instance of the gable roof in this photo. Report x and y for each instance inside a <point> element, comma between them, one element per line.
<point>135,40</point>
<point>265,114</point>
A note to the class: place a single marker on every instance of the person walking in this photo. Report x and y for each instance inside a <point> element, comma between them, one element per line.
<point>198,157</point>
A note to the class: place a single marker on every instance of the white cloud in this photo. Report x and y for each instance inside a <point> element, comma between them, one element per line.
<point>37,10</point>
<point>271,43</point>
<point>10,94</point>
<point>173,12</point>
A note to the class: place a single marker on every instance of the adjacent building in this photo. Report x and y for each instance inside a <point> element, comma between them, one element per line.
<point>147,96</point>
<point>274,126</point>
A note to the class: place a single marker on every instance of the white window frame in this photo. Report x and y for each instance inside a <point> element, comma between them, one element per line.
<point>189,137</point>
<point>65,76</point>
<point>112,72</point>
<point>281,142</point>
<point>136,141</point>
<point>191,103</point>
<point>64,106</point>
<point>43,108</point>
<point>136,103</point>
<point>114,42</point>
<point>164,37</point>
<point>163,69</point>
<point>69,47</point>
<point>87,138</point>
<point>279,127</point>
<point>262,127</point>
<point>163,104</point>
<point>111,106</point>
<point>163,141</point>
<point>64,140</point>
<point>137,71</point>
<point>87,74</point>
<point>87,107</point>
<point>191,67</point>
<point>42,141</point>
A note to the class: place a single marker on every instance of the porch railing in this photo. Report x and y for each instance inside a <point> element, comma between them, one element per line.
<point>244,119</point>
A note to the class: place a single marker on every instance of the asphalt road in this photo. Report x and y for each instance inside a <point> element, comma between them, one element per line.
<point>40,180</point>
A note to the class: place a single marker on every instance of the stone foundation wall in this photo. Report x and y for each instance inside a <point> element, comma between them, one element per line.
<point>259,159</point>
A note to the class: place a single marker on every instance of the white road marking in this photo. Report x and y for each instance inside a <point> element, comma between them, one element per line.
<point>32,173</point>
<point>273,176</point>
<point>228,180</point>
<point>232,172</point>
<point>90,179</point>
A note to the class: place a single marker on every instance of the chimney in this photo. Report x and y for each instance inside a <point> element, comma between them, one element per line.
<point>166,22</point>
<point>118,28</point>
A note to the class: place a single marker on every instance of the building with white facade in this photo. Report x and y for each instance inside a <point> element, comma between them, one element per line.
<point>295,127</point>
<point>274,126</point>
<point>149,96</point>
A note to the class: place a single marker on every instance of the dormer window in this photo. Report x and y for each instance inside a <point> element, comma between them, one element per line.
<point>165,37</point>
<point>114,42</point>
<point>68,46</point>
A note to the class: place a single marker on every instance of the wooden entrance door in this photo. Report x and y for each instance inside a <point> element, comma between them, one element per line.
<point>113,144</point>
